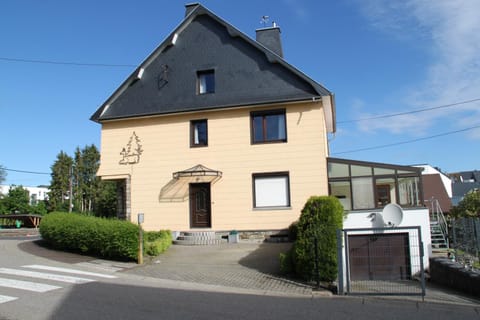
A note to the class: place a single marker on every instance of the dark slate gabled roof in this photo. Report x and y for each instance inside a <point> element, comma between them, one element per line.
<point>246,73</point>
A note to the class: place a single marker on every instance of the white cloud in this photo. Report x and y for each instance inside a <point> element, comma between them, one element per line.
<point>451,33</point>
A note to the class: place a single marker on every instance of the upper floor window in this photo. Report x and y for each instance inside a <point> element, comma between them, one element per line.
<point>206,81</point>
<point>198,133</point>
<point>269,126</point>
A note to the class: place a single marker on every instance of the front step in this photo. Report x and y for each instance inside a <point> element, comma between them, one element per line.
<point>199,238</point>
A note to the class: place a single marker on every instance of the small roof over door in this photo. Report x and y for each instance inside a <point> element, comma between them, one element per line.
<point>177,189</point>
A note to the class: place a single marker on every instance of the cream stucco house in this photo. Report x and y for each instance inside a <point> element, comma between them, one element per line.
<point>216,131</point>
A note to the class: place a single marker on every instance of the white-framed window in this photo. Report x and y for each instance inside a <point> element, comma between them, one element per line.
<point>271,190</point>
<point>206,81</point>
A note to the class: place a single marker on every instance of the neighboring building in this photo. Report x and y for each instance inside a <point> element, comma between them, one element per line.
<point>216,131</point>
<point>36,194</point>
<point>463,183</point>
<point>437,189</point>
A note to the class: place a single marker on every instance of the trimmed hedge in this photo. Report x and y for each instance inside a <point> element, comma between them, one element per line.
<point>108,238</point>
<point>157,242</point>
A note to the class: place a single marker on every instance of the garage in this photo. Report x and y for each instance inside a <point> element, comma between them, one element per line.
<point>379,257</point>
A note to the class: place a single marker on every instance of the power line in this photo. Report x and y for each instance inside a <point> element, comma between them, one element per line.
<point>410,112</point>
<point>24,171</point>
<point>407,141</point>
<point>78,64</point>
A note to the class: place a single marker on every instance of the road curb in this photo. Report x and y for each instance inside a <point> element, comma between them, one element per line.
<point>20,232</point>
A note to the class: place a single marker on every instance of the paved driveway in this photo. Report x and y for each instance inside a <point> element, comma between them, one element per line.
<point>253,266</point>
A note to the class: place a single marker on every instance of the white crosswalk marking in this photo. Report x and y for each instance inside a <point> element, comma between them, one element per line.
<point>38,272</point>
<point>7,298</point>
<point>44,275</point>
<point>26,285</point>
<point>66,270</point>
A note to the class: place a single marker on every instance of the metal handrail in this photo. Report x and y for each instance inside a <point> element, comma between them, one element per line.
<point>436,214</point>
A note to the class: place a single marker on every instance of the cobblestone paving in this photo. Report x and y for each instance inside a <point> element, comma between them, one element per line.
<point>246,265</point>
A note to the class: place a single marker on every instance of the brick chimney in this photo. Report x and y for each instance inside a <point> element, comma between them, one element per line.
<point>270,38</point>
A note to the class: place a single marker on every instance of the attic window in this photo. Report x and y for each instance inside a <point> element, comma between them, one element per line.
<point>206,81</point>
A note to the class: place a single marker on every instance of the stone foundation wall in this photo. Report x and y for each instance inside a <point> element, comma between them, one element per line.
<point>453,275</point>
<point>264,235</point>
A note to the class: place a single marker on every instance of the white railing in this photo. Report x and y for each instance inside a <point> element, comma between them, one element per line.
<point>437,217</point>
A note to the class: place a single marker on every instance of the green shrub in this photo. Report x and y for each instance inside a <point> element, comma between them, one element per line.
<point>286,263</point>
<point>107,238</point>
<point>293,231</point>
<point>157,242</point>
<point>320,219</point>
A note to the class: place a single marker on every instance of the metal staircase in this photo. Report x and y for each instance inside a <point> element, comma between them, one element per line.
<point>438,226</point>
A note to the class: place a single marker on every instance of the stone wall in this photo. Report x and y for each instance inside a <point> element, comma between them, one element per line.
<point>453,275</point>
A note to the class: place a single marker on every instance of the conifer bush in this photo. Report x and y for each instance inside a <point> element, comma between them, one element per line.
<point>320,219</point>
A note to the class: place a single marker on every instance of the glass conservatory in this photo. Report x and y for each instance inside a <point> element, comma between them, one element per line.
<point>363,185</point>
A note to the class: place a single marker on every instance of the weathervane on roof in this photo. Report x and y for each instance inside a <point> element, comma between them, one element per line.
<point>264,21</point>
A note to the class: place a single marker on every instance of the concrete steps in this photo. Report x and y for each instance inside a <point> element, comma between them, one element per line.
<point>199,238</point>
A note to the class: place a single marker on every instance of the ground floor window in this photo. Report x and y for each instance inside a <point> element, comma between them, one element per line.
<point>271,190</point>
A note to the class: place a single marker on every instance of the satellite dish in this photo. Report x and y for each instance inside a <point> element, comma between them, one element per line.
<point>392,215</point>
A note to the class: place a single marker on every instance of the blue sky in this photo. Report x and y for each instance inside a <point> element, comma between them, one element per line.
<point>378,57</point>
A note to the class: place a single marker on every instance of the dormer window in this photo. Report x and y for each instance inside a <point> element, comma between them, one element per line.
<point>206,81</point>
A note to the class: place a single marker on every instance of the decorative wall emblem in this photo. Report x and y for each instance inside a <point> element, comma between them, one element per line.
<point>131,153</point>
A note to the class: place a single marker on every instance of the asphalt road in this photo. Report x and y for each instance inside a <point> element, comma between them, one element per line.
<point>101,300</point>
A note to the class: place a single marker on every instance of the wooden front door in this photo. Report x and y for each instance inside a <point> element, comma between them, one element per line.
<point>200,205</point>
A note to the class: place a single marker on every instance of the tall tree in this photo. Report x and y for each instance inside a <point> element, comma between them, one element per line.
<point>77,181</point>
<point>106,200</point>
<point>89,193</point>
<point>17,200</point>
<point>469,206</point>
<point>60,183</point>
<point>86,183</point>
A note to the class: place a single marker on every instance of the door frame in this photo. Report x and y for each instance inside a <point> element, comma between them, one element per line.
<point>196,186</point>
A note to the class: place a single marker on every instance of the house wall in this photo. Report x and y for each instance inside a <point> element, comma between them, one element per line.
<point>165,141</point>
